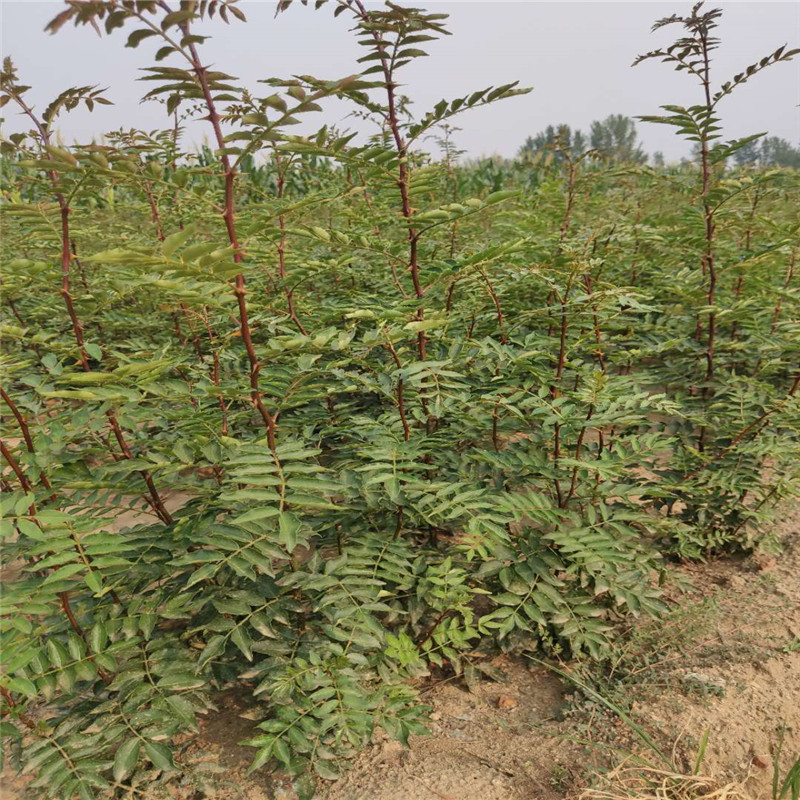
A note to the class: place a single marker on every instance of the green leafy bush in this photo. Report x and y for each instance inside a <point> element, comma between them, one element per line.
<point>313,417</point>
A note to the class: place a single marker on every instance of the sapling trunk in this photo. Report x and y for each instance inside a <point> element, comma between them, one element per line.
<point>229,216</point>
<point>281,168</point>
<point>403,174</point>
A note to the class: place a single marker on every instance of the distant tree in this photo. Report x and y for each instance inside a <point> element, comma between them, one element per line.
<point>572,141</point>
<point>749,154</point>
<point>777,152</point>
<point>658,159</point>
<point>579,143</point>
<point>617,139</point>
<point>771,151</point>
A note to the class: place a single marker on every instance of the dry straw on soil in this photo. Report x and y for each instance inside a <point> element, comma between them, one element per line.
<point>638,782</point>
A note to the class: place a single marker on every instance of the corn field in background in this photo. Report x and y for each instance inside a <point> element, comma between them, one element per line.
<point>314,416</point>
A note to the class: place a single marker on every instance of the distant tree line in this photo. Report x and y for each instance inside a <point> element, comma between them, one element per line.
<point>771,151</point>
<point>617,139</point>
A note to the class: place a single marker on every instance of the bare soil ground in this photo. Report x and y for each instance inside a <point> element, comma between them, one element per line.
<point>726,660</point>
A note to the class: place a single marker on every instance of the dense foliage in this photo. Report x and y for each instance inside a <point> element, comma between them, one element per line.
<point>313,417</point>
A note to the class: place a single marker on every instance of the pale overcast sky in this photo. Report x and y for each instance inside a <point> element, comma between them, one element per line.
<point>576,55</point>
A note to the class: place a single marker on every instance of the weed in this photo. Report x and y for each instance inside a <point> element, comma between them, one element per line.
<point>786,786</point>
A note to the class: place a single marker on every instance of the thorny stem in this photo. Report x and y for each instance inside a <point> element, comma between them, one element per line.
<point>446,613</point>
<point>758,424</point>
<point>192,332</point>
<point>496,302</point>
<point>24,482</point>
<point>748,235</point>
<point>566,221</point>
<point>555,389</point>
<point>708,262</point>
<point>151,200</point>
<point>368,202</point>
<point>789,275</point>
<point>17,470</point>
<point>26,720</point>
<point>239,291</point>
<point>578,448</point>
<point>401,147</point>
<point>281,185</point>
<point>400,400</point>
<point>503,340</point>
<point>588,284</point>
<point>81,270</point>
<point>26,487</point>
<point>215,371</point>
<point>26,434</point>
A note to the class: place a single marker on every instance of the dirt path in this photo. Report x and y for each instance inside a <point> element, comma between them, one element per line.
<point>738,675</point>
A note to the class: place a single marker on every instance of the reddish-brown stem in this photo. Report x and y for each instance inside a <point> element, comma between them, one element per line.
<point>21,421</point>
<point>454,227</point>
<point>708,263</point>
<point>498,308</point>
<point>178,330</point>
<point>565,224</point>
<point>193,333</point>
<point>588,283</point>
<point>67,609</point>
<point>789,275</point>
<point>504,340</point>
<point>82,274</point>
<point>450,292</point>
<point>66,254</point>
<point>26,434</point>
<point>23,480</point>
<point>748,235</point>
<point>26,487</point>
<point>401,147</point>
<point>17,470</point>
<point>377,229</point>
<point>495,421</point>
<point>398,526</point>
<point>562,343</point>
<point>556,457</point>
<point>155,498</point>
<point>400,399</point>
<point>230,226</point>
<point>79,265</point>
<point>15,312</point>
<point>215,372</point>
<point>281,185</point>
<point>66,258</point>
<point>154,213</point>
<point>758,424</point>
<point>566,221</point>
<point>26,720</point>
<point>23,324</point>
<point>555,389</point>
<point>471,328</point>
<point>446,613</point>
<point>578,448</point>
